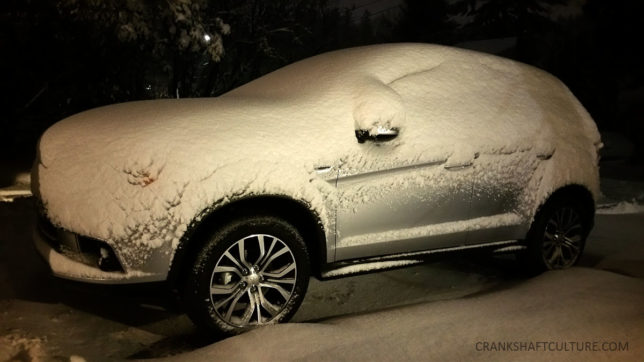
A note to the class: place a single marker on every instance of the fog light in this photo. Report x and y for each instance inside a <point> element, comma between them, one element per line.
<point>107,260</point>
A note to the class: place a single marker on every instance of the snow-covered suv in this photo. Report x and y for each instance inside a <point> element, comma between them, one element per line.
<point>354,160</point>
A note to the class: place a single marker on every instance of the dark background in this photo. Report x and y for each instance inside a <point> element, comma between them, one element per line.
<point>59,57</point>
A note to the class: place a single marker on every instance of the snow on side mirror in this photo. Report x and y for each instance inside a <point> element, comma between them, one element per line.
<point>378,111</point>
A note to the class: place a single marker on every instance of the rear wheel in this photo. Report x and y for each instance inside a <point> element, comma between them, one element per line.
<point>558,234</point>
<point>253,271</point>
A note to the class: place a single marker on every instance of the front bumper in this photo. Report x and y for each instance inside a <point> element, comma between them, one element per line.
<point>67,260</point>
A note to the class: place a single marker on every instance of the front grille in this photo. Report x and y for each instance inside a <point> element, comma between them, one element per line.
<point>91,252</point>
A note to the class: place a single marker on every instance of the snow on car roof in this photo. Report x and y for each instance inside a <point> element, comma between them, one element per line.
<point>480,92</point>
<point>384,62</point>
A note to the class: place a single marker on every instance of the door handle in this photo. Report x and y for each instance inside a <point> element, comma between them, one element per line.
<point>458,167</point>
<point>464,162</point>
<point>323,169</point>
<point>546,154</point>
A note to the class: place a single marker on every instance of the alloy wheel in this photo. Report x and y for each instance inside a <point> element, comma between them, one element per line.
<point>253,280</point>
<point>562,239</point>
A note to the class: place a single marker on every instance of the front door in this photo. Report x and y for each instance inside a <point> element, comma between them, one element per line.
<point>393,200</point>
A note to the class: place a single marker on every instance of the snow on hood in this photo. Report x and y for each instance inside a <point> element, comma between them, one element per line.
<point>138,173</point>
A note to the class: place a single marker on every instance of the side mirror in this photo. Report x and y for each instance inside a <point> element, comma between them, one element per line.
<point>381,134</point>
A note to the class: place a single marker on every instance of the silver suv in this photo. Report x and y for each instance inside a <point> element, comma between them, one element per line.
<point>350,161</point>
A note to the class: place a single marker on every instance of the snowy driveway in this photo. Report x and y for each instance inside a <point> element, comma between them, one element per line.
<point>444,309</point>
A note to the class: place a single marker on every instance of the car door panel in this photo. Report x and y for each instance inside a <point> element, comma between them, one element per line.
<point>401,209</point>
<point>500,185</point>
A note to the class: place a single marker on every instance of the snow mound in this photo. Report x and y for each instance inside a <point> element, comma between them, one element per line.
<point>583,305</point>
<point>15,347</point>
<point>622,207</point>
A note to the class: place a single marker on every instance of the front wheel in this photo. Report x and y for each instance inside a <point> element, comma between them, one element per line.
<point>558,234</point>
<point>251,272</point>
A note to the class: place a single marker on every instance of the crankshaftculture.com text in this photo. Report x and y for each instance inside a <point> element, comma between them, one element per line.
<point>551,346</point>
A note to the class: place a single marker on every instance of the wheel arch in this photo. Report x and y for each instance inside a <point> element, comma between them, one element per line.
<point>576,192</point>
<point>532,258</point>
<point>296,212</point>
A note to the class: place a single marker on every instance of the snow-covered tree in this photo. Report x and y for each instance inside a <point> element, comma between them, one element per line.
<point>161,26</point>
<point>177,34</point>
<point>270,34</point>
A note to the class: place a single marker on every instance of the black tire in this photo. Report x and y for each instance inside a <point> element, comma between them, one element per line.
<point>259,288</point>
<point>557,237</point>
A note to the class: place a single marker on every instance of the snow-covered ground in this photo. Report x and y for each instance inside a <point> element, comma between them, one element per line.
<point>442,310</point>
<point>555,311</point>
<point>622,207</point>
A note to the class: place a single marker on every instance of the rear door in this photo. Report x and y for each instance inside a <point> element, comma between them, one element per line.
<point>504,185</point>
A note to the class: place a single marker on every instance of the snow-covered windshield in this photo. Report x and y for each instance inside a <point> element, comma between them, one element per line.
<point>341,69</point>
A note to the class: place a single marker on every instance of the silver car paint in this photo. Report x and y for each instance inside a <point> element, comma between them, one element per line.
<point>446,195</point>
<point>409,205</point>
